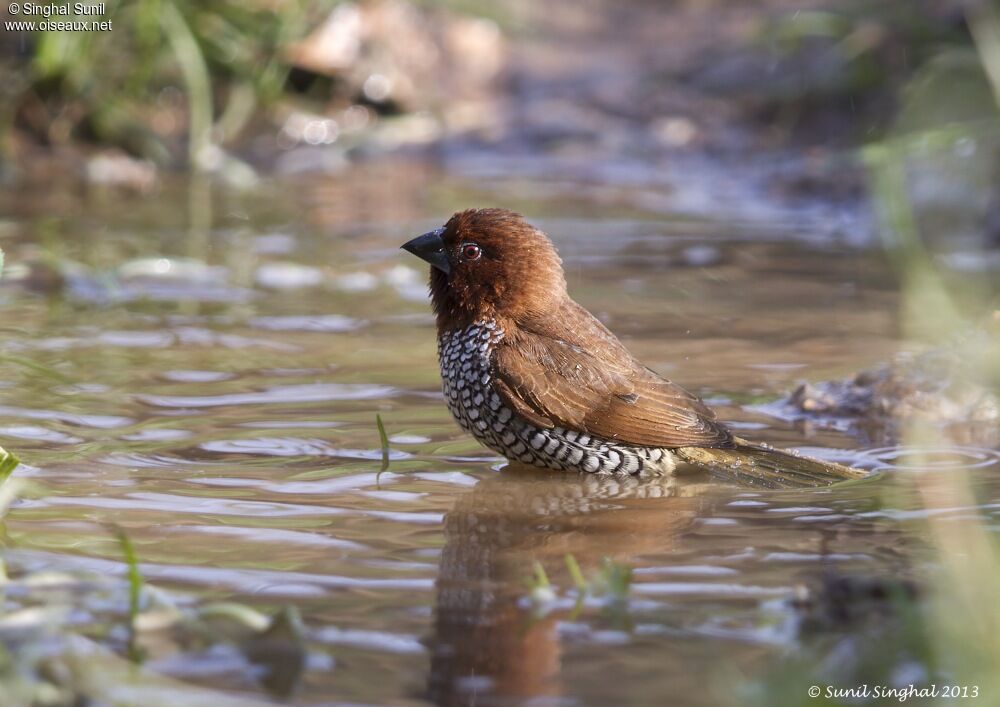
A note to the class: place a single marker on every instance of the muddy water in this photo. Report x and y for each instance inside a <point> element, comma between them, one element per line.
<point>209,367</point>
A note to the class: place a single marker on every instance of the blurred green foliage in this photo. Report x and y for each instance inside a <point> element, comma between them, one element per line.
<point>183,72</point>
<point>111,86</point>
<point>948,124</point>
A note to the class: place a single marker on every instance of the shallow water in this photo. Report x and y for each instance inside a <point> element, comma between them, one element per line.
<point>212,388</point>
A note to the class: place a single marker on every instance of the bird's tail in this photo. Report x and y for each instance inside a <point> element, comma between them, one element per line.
<point>761,465</point>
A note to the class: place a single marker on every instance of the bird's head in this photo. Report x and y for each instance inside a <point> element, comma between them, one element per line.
<point>490,263</point>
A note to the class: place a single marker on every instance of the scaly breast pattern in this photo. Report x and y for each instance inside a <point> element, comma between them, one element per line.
<point>464,355</point>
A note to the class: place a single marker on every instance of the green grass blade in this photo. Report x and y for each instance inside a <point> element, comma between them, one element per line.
<point>541,579</point>
<point>576,574</point>
<point>134,591</point>
<point>8,462</point>
<point>384,440</point>
<point>194,71</point>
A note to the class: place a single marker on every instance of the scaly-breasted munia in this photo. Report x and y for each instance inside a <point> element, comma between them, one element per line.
<point>536,377</point>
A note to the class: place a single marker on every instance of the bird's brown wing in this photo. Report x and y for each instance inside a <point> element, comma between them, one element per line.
<point>574,373</point>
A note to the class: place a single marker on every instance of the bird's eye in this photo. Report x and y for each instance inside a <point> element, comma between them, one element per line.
<point>470,251</point>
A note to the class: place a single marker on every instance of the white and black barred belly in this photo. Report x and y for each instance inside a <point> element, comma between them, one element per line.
<point>464,355</point>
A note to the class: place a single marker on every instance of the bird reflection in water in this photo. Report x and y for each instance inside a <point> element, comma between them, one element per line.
<point>487,648</point>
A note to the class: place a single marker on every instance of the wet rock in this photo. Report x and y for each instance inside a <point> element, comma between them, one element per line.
<point>328,323</point>
<point>359,281</point>
<point>161,279</point>
<point>36,273</point>
<point>934,387</point>
<point>839,600</point>
<point>166,279</point>
<point>274,244</point>
<point>701,256</point>
<point>674,131</point>
<point>397,56</point>
<point>114,168</point>
<point>232,170</point>
<point>187,269</point>
<point>408,283</point>
<point>288,276</point>
<point>305,160</point>
<point>281,651</point>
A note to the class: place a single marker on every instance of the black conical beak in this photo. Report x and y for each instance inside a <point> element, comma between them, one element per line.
<point>430,247</point>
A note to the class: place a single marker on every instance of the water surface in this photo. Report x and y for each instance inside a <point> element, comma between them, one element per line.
<point>208,370</point>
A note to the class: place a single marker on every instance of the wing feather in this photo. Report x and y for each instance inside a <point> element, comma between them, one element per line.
<point>573,373</point>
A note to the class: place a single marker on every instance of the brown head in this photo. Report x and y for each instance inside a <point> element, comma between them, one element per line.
<point>490,263</point>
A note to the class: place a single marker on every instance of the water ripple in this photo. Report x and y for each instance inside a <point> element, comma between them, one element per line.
<point>687,570</point>
<point>328,323</point>
<point>375,640</point>
<point>246,581</point>
<point>157,435</point>
<point>38,434</point>
<point>137,459</point>
<point>98,421</point>
<point>266,535</point>
<point>196,376</point>
<point>271,446</point>
<point>136,339</point>
<point>332,485</point>
<point>305,393</point>
<point>296,447</point>
<point>173,503</point>
<point>709,589</point>
<point>939,458</point>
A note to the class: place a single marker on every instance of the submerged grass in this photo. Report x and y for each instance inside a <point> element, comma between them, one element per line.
<point>28,364</point>
<point>135,584</point>
<point>9,490</point>
<point>539,577</point>
<point>8,462</point>
<point>610,584</point>
<point>576,574</point>
<point>35,367</point>
<point>384,441</point>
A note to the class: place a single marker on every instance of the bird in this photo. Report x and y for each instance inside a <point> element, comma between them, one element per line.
<point>535,377</point>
